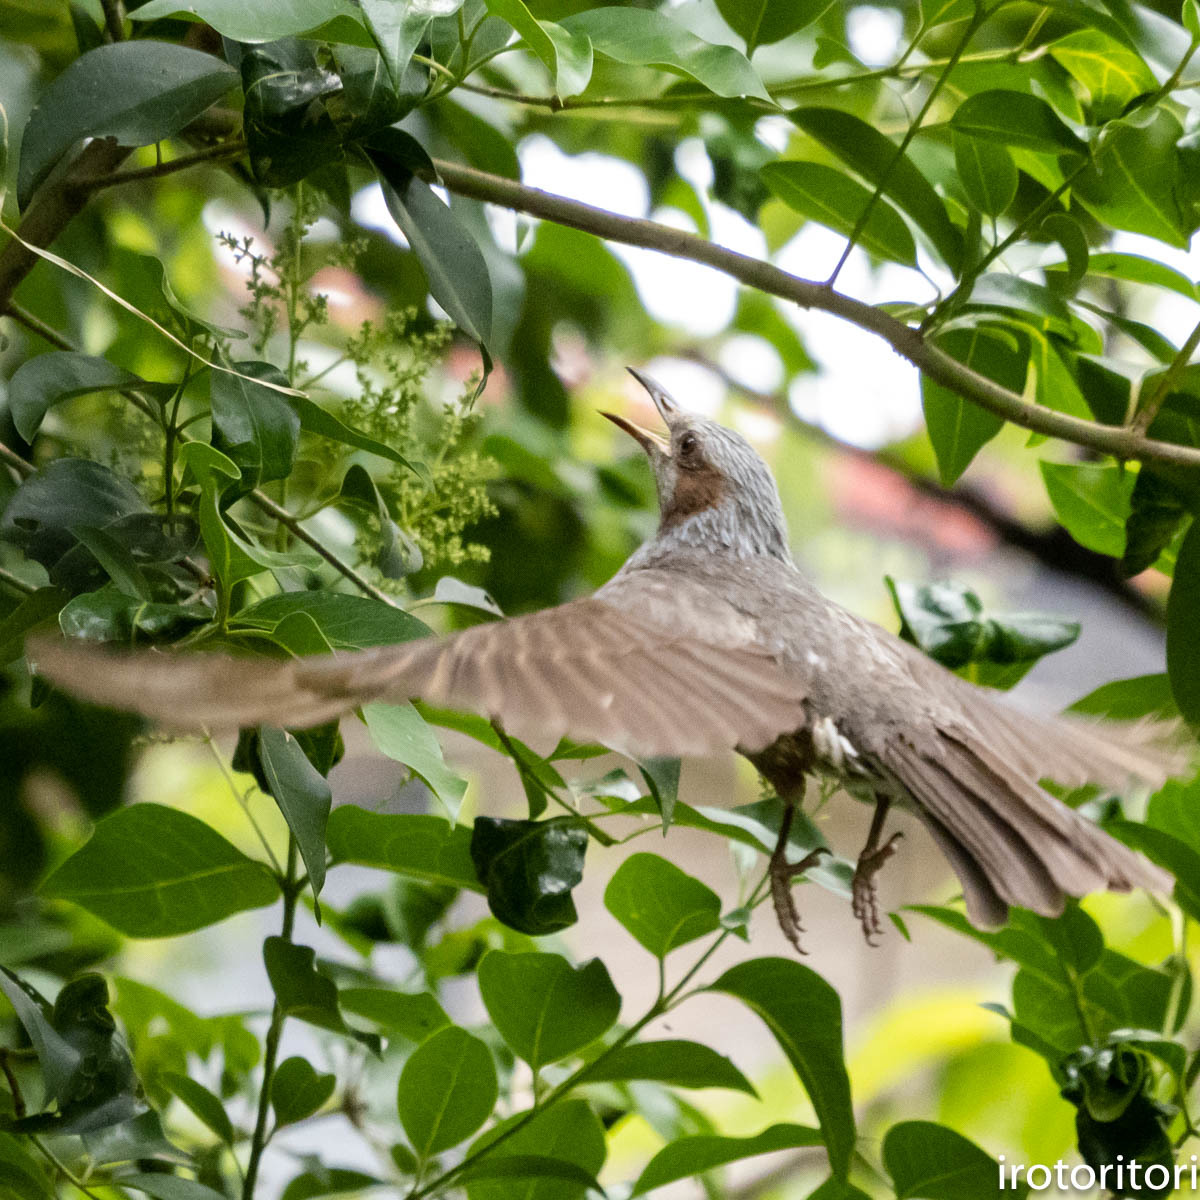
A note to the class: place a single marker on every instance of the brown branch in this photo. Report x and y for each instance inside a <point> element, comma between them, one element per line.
<point>114,20</point>
<point>216,153</point>
<point>14,460</point>
<point>35,324</point>
<point>1119,441</point>
<point>52,210</point>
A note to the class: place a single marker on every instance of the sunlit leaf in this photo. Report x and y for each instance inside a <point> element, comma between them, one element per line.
<point>660,905</point>
<point>447,1090</point>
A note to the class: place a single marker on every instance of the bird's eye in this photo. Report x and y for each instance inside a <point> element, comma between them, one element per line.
<point>688,443</point>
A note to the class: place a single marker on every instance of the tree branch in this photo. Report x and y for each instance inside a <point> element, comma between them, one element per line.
<point>909,343</point>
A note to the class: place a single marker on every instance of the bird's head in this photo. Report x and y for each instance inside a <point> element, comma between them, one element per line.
<point>714,491</point>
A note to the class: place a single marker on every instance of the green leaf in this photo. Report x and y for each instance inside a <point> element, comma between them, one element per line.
<point>1183,641</point>
<point>110,615</point>
<point>420,846</point>
<point>957,428</point>
<point>447,1090</point>
<point>660,905</point>
<point>1136,269</point>
<point>398,555</point>
<point>934,1163</point>
<point>40,383</point>
<point>527,1167</point>
<point>949,624</point>
<point>1109,70</point>
<point>152,871</point>
<point>302,793</point>
<point>1014,119</point>
<point>828,196</point>
<point>36,608</point>
<point>805,1015</point>
<point>1135,181</point>
<point>402,734</point>
<point>675,1063</point>
<point>23,1174</point>
<point>873,156</point>
<point>328,1181</point>
<point>1013,294</point>
<point>202,1102</point>
<point>567,56</point>
<point>303,992</point>
<point>688,1157</point>
<point>453,264</point>
<point>398,28</point>
<point>170,1187</point>
<point>529,869</point>
<point>297,1091</point>
<point>317,420</point>
<point>987,172</point>
<point>568,1133</point>
<point>762,22</point>
<point>139,1137</point>
<point>255,426</point>
<point>543,1007</point>
<point>1129,699</point>
<point>134,92</point>
<point>661,776</point>
<point>346,622</point>
<point>410,1015</point>
<point>1068,233</point>
<point>331,20</point>
<point>639,37</point>
<point>1168,851</point>
<point>59,1060</point>
<point>1092,501</point>
<point>942,12</point>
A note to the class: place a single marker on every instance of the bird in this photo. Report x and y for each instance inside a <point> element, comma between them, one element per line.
<point>709,638</point>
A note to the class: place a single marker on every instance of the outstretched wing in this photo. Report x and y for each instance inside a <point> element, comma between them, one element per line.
<point>627,667</point>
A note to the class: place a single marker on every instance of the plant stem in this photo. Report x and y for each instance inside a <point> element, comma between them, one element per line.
<point>663,1003</point>
<point>765,277</point>
<point>14,460</point>
<point>62,1168</point>
<point>37,325</point>
<point>291,893</point>
<point>1144,417</point>
<point>980,17</point>
<point>15,583</point>
<point>244,803</point>
<point>213,154</point>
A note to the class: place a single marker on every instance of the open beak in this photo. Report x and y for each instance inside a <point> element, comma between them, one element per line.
<point>653,443</point>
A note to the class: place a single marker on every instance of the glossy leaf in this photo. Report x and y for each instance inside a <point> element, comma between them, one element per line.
<point>447,1090</point>
<point>1014,119</point>
<point>398,28</point>
<point>1092,501</point>
<point>255,426</point>
<point>454,267</point>
<point>1111,72</point>
<point>529,869</point>
<point>762,22</point>
<point>134,92</point>
<point>346,622</point>
<point>306,993</point>
<point>170,1187</point>
<point>1135,182</point>
<point>402,734</point>
<point>40,383</point>
<point>825,195</point>
<point>543,1007</point>
<point>298,1091</point>
<point>1135,268</point>
<point>957,428</point>
<point>410,1015</point>
<point>660,905</point>
<point>302,793</point>
<point>410,844</point>
<point>567,56</point>
<point>987,173</point>
<point>675,1063</point>
<point>640,37</point>
<point>932,1162</point>
<point>202,1102</point>
<point>804,1014</point>
<point>1183,643</point>
<point>320,421</point>
<point>152,871</point>
<point>873,156</point>
<point>335,20</point>
<point>568,1133</point>
<point>687,1157</point>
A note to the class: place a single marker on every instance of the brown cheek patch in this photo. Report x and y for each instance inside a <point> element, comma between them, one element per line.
<point>695,490</point>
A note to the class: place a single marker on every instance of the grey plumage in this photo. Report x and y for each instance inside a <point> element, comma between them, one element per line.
<point>708,639</point>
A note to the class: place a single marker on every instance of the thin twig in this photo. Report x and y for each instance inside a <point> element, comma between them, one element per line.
<point>15,583</point>
<point>35,324</point>
<point>14,460</point>
<point>1144,417</point>
<point>62,1168</point>
<point>114,20</point>
<point>210,154</point>
<point>908,342</point>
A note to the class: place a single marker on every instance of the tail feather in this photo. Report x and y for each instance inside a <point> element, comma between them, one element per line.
<point>1008,840</point>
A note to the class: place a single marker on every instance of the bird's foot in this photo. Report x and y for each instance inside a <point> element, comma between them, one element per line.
<point>864,898</point>
<point>782,875</point>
